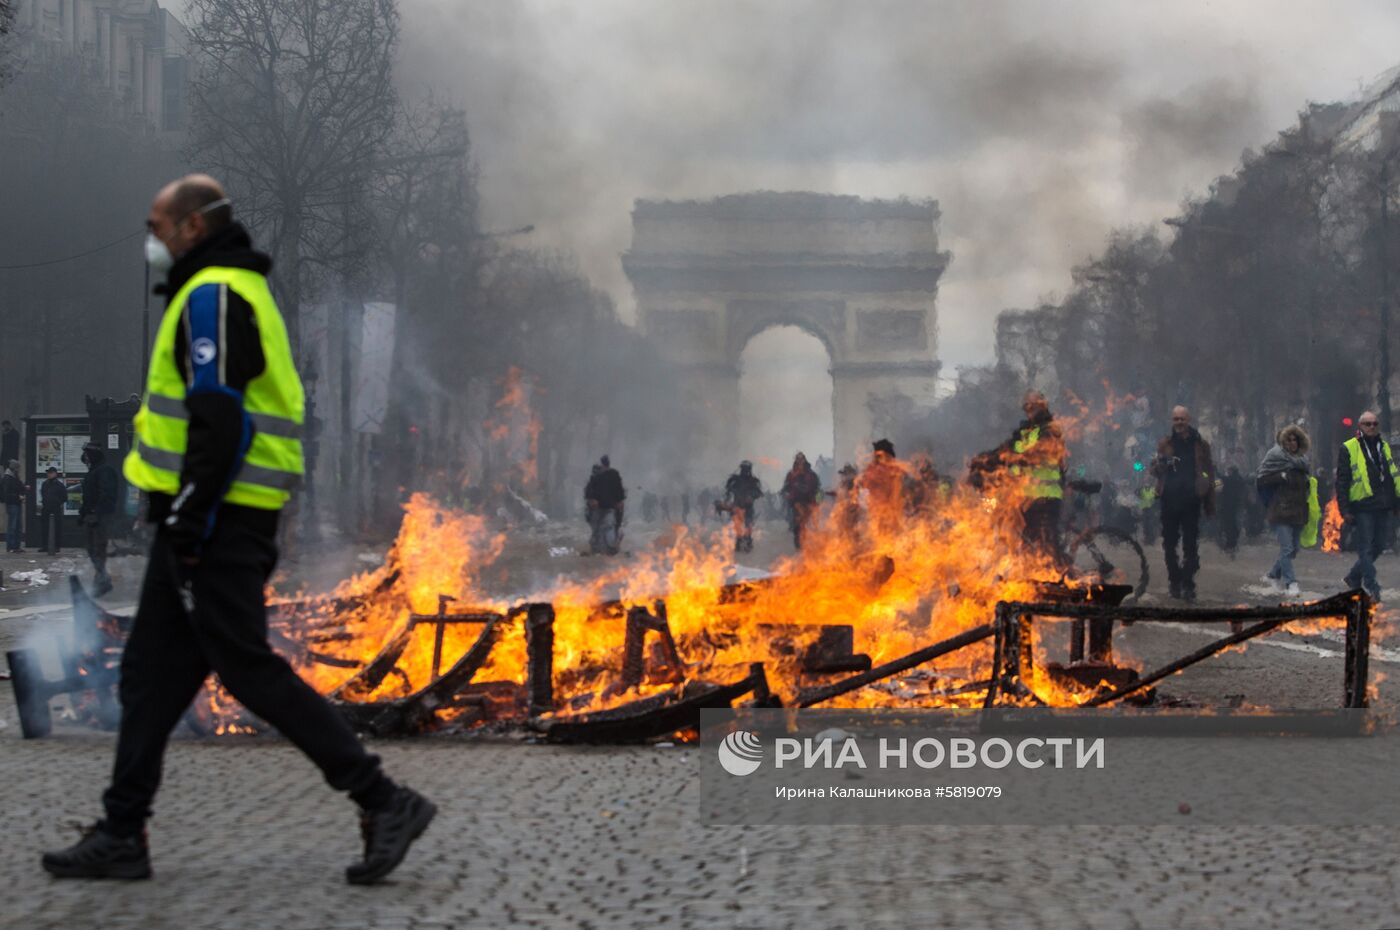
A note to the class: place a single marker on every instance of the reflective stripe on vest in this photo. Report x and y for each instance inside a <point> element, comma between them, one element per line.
<point>1045,479</point>
<point>273,401</point>
<point>1360,476</point>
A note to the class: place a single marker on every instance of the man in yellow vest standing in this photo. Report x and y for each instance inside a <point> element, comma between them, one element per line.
<point>1366,477</point>
<point>218,450</point>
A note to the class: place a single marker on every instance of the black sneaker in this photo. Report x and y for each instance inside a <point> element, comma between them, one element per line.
<point>101,585</point>
<point>1175,592</point>
<point>388,833</point>
<point>1188,593</point>
<point>100,854</point>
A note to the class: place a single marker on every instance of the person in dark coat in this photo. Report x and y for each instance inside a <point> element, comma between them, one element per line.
<point>12,494</point>
<point>1284,476</point>
<point>606,497</point>
<point>53,494</point>
<point>1185,476</point>
<point>800,492</point>
<point>741,492</point>
<point>1366,480</point>
<point>9,442</point>
<point>97,512</point>
<point>1230,507</point>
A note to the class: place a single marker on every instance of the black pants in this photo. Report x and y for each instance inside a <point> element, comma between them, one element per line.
<point>98,529</point>
<point>170,653</point>
<point>1181,520</point>
<point>52,522</point>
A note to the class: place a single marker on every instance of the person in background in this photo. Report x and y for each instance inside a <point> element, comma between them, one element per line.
<point>9,442</point>
<point>801,490</point>
<point>1185,476</point>
<point>12,494</point>
<point>1233,495</point>
<point>1366,478</point>
<point>53,494</point>
<point>606,499</point>
<point>1283,477</point>
<point>741,492</point>
<point>98,510</point>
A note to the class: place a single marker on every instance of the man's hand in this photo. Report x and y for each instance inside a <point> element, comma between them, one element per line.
<point>185,535</point>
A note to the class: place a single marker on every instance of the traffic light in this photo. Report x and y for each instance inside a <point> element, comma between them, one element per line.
<point>1347,421</point>
<point>1137,466</point>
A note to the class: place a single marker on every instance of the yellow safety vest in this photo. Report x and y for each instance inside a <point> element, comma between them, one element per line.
<point>1360,477</point>
<point>1045,479</point>
<point>273,400</point>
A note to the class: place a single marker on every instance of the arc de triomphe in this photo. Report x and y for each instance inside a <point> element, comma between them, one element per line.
<point>860,275</point>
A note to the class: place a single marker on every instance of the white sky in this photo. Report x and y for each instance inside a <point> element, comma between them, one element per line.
<point>1039,126</point>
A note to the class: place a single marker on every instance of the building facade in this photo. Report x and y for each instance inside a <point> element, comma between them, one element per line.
<point>141,50</point>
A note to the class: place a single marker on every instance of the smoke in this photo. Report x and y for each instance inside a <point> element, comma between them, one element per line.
<point>1038,127</point>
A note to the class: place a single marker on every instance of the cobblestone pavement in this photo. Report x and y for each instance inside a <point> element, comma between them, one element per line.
<point>247,836</point>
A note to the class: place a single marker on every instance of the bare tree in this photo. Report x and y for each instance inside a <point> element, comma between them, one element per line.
<point>292,104</point>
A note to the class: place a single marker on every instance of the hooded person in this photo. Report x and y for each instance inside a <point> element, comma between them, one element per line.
<point>1284,476</point>
<point>801,490</point>
<point>97,512</point>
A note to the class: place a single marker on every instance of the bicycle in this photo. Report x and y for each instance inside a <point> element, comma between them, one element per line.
<point>1103,554</point>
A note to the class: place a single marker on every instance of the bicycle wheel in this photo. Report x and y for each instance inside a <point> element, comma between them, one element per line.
<point>1105,555</point>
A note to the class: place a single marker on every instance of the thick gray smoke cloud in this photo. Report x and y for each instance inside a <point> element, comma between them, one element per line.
<point>1038,126</point>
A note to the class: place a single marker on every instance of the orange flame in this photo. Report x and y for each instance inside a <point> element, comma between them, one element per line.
<point>1332,528</point>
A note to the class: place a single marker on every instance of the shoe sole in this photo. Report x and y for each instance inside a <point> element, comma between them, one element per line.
<point>132,871</point>
<point>419,825</point>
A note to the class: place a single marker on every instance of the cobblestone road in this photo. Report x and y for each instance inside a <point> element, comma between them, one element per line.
<point>247,836</point>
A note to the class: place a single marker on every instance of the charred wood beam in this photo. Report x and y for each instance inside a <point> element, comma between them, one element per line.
<point>405,715</point>
<point>648,718</point>
<point>1358,652</point>
<point>539,651</point>
<point>1339,605</point>
<point>975,635</point>
<point>640,621</point>
<point>1205,652</point>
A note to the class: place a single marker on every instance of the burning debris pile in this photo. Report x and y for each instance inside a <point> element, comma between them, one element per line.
<point>912,612</point>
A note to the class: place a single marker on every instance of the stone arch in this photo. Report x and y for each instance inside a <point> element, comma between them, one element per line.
<point>860,275</point>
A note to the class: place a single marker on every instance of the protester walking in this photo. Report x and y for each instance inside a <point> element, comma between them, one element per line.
<point>98,510</point>
<point>1284,480</point>
<point>12,495</point>
<point>218,450</point>
<point>1185,476</point>
<point>1366,476</point>
<point>801,490</point>
<point>53,495</point>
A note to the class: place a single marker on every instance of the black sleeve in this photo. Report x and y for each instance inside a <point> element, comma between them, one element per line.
<point>1343,478</point>
<point>219,352</point>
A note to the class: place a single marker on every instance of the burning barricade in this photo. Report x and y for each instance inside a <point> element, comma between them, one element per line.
<point>936,608</point>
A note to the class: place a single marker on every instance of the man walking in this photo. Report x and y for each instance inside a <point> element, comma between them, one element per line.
<point>606,499</point>
<point>741,493</point>
<point>1185,476</point>
<point>12,495</point>
<point>1366,476</point>
<point>218,450</point>
<point>53,494</point>
<point>801,490</point>
<point>97,512</point>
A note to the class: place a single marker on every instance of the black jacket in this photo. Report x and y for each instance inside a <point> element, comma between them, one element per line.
<point>219,430</point>
<point>606,488</point>
<point>99,487</point>
<point>11,489</point>
<point>52,495</point>
<point>1382,487</point>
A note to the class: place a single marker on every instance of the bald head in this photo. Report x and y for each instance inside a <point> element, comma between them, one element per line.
<point>1369,422</point>
<point>185,212</point>
<point>1181,420</point>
